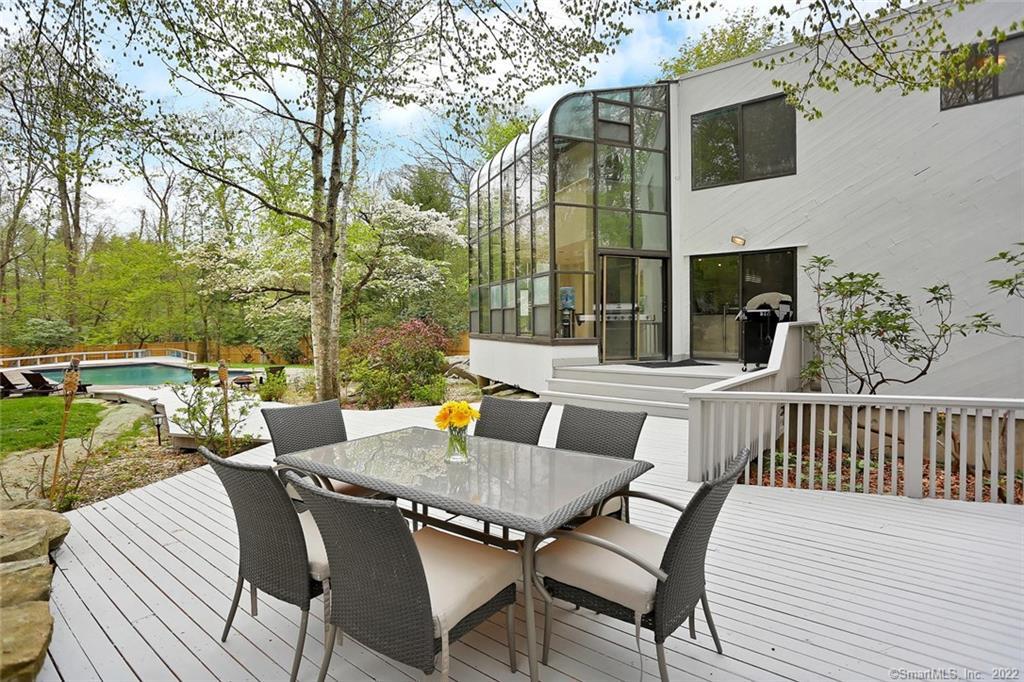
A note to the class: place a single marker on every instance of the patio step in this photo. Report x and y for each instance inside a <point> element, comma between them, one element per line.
<point>611,389</point>
<point>678,378</point>
<point>657,408</point>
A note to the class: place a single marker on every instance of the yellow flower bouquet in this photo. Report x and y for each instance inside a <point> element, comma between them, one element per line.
<point>455,416</point>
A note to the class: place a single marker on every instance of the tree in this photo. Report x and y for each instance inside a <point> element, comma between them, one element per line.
<point>313,65</point>
<point>900,45</point>
<point>70,113</point>
<point>869,336</point>
<point>1011,286</point>
<point>740,33</point>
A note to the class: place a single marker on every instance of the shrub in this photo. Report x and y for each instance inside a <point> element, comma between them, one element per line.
<point>401,362</point>
<point>273,388</point>
<point>44,336</point>
<point>202,415</point>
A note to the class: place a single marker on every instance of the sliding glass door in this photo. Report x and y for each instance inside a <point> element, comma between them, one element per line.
<point>721,284</point>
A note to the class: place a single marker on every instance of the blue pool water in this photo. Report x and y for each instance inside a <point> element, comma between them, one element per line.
<point>143,374</point>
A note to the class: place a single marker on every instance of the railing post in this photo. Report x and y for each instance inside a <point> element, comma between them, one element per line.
<point>695,440</point>
<point>913,451</point>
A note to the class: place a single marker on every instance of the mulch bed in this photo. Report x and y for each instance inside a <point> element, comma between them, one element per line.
<point>878,482</point>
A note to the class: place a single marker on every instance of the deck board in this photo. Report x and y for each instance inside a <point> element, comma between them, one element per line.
<point>803,585</point>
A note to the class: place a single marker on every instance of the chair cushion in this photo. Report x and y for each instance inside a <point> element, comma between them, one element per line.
<point>318,568</point>
<point>350,489</point>
<point>462,575</point>
<point>602,572</point>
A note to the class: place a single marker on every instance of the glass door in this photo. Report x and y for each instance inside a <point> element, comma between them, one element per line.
<point>715,288</point>
<point>618,309</point>
<point>721,284</point>
<point>633,308</point>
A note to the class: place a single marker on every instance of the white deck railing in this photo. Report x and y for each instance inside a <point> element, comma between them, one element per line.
<point>126,354</point>
<point>917,446</point>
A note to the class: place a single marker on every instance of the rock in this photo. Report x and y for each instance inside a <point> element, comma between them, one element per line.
<point>54,525</point>
<point>25,544</point>
<point>27,503</point>
<point>25,637</point>
<point>24,581</point>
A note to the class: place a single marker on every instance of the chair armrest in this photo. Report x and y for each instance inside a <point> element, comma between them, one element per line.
<point>282,469</point>
<point>643,496</point>
<point>611,547</point>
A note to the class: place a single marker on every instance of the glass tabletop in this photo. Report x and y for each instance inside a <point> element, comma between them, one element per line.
<point>526,487</point>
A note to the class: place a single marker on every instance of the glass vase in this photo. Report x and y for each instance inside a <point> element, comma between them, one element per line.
<point>457,447</point>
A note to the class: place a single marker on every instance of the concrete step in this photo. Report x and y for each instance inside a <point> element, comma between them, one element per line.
<point>651,407</point>
<point>606,389</point>
<point>678,378</point>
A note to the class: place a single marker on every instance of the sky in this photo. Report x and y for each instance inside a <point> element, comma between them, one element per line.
<point>636,61</point>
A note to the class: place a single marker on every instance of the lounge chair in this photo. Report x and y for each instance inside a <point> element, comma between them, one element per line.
<point>8,387</point>
<point>200,374</point>
<point>40,385</point>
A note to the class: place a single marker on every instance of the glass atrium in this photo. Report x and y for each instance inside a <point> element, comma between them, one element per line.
<point>571,220</point>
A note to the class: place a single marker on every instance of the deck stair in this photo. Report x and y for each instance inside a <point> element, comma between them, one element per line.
<point>658,391</point>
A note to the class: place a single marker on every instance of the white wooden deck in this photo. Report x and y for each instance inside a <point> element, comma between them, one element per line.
<point>803,585</point>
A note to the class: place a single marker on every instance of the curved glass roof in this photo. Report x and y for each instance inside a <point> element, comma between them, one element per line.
<point>570,116</point>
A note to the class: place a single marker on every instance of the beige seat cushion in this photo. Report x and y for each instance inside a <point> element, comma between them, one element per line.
<point>462,575</point>
<point>350,489</point>
<point>602,572</point>
<point>318,568</point>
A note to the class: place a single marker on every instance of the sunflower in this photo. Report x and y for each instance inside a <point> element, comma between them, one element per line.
<point>444,417</point>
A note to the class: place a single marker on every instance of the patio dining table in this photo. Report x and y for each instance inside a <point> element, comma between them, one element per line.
<point>528,488</point>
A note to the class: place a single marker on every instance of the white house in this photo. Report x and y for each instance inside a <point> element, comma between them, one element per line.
<point>630,226</point>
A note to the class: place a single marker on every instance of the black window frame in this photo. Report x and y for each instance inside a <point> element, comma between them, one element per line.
<point>995,79</point>
<point>740,150</point>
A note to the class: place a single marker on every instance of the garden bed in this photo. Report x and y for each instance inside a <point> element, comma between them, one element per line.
<point>839,476</point>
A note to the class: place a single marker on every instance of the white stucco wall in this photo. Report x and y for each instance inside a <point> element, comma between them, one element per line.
<point>884,183</point>
<point>527,365</point>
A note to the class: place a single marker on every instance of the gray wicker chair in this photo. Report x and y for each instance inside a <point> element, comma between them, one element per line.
<point>602,432</point>
<point>519,421</point>
<point>279,552</point>
<point>304,427</point>
<point>406,595</point>
<point>635,575</point>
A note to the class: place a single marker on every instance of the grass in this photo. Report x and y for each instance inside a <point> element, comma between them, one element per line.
<point>34,422</point>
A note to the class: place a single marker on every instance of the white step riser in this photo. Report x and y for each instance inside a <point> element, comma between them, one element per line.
<point>654,409</point>
<point>639,378</point>
<point>615,390</point>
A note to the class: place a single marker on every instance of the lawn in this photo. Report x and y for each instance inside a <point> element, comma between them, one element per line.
<point>34,422</point>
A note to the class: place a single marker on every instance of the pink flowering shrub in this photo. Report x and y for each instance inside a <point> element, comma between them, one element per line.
<point>396,363</point>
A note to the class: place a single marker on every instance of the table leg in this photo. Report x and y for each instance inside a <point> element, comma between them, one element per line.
<point>529,544</point>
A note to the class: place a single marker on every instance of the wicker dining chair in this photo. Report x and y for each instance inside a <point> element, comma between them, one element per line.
<point>279,551</point>
<point>602,432</point>
<point>406,595</point>
<point>303,427</point>
<point>635,575</point>
<point>519,421</point>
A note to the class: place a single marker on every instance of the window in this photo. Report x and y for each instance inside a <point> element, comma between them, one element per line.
<point>1009,54</point>
<point>750,141</point>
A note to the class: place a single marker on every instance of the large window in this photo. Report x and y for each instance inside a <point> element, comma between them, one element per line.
<point>1009,54</point>
<point>749,141</point>
<point>589,176</point>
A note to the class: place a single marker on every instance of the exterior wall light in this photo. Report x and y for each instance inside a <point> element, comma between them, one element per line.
<point>738,240</point>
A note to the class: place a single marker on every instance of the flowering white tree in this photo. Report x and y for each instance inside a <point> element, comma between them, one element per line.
<point>268,270</point>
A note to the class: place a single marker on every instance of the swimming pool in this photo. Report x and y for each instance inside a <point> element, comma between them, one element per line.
<point>140,374</point>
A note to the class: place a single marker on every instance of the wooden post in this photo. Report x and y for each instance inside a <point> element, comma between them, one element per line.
<point>913,452</point>
<point>695,450</point>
